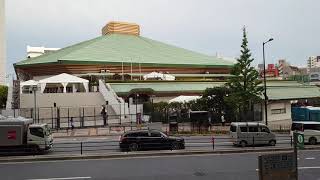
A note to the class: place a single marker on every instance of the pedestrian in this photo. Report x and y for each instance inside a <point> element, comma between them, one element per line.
<point>222,119</point>
<point>104,115</point>
<point>72,124</point>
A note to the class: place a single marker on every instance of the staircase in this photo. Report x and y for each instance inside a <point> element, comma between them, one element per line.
<point>118,105</point>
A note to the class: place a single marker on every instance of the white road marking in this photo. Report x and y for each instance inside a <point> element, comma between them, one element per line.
<point>310,158</point>
<point>66,178</point>
<point>312,167</point>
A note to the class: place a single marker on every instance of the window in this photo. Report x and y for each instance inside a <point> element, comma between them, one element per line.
<point>37,132</point>
<point>253,128</point>
<point>312,127</point>
<point>243,129</point>
<point>143,134</point>
<point>155,134</point>
<point>297,127</point>
<point>264,129</point>
<point>233,128</point>
<point>278,111</point>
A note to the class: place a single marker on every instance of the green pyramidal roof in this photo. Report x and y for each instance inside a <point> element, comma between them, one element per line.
<point>120,48</point>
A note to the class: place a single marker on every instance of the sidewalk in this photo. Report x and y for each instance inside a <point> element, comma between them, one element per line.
<point>118,130</point>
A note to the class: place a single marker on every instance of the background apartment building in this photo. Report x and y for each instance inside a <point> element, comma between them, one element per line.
<point>2,43</point>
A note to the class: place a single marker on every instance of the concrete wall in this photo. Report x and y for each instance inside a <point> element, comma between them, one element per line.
<point>283,119</point>
<point>2,43</point>
<point>62,99</point>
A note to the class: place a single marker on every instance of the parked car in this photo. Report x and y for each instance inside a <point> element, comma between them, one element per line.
<point>149,139</point>
<point>251,133</point>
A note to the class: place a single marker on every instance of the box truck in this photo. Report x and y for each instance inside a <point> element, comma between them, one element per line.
<point>21,134</point>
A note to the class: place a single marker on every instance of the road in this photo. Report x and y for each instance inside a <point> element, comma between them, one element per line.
<point>226,166</point>
<point>110,144</point>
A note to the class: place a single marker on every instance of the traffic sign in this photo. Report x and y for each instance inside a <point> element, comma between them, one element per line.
<point>300,139</point>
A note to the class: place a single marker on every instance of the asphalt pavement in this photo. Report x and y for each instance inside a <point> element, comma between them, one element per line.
<point>105,144</point>
<point>191,167</point>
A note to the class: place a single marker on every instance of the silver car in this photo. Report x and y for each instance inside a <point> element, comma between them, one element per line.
<point>251,133</point>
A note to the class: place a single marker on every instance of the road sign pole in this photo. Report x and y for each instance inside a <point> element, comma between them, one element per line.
<point>295,150</point>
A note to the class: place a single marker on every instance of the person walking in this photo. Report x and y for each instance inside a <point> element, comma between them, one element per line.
<point>72,124</point>
<point>222,120</point>
<point>104,115</point>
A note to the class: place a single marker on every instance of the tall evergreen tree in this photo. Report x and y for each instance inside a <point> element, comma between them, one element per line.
<point>245,86</point>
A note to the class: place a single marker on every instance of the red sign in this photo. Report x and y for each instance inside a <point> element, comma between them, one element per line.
<point>12,135</point>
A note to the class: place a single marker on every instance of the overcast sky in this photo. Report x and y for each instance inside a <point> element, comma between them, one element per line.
<point>207,26</point>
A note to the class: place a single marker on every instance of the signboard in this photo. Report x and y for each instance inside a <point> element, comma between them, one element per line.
<point>299,139</point>
<point>16,95</point>
<point>280,166</point>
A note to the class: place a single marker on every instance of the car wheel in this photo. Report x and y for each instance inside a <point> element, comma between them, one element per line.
<point>174,146</point>
<point>272,143</point>
<point>313,141</point>
<point>133,147</point>
<point>243,143</point>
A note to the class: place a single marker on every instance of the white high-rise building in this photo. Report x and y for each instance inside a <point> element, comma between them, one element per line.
<point>2,43</point>
<point>313,61</point>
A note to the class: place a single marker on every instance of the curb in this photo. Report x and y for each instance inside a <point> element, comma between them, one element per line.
<point>137,154</point>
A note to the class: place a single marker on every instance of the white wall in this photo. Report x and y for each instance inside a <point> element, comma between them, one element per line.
<point>278,119</point>
<point>2,43</point>
<point>62,99</point>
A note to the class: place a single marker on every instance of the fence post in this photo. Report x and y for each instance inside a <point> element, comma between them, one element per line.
<point>94,116</point>
<point>253,140</point>
<point>82,119</point>
<point>81,147</point>
<point>291,141</point>
<point>68,117</point>
<point>52,117</point>
<point>120,114</point>
<point>212,140</point>
<point>38,115</point>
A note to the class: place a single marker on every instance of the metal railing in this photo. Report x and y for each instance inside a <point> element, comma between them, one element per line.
<point>207,143</point>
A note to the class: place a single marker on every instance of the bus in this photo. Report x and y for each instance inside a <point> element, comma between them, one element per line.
<point>310,129</point>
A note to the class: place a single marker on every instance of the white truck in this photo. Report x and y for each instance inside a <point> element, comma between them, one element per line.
<point>21,134</point>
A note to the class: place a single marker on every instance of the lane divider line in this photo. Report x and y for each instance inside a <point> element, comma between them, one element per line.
<point>66,178</point>
<point>310,158</point>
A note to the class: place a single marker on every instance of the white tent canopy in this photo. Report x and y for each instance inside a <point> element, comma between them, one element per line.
<point>156,75</point>
<point>28,83</point>
<point>63,79</point>
<point>184,99</point>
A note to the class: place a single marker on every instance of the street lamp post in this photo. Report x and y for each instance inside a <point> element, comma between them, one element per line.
<point>34,89</point>
<point>137,96</point>
<point>265,82</point>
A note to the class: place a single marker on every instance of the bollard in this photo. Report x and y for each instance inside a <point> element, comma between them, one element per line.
<point>212,140</point>
<point>81,148</point>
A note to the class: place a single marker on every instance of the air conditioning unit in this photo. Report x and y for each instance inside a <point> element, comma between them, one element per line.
<point>102,71</point>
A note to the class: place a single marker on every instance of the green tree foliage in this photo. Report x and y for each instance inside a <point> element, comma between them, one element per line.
<point>3,96</point>
<point>244,87</point>
<point>215,99</point>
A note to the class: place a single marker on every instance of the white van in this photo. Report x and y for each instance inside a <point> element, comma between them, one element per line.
<point>310,130</point>
<point>251,133</point>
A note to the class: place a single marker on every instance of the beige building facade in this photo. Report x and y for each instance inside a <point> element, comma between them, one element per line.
<point>2,43</point>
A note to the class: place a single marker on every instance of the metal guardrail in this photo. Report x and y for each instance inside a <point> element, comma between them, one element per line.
<point>84,147</point>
